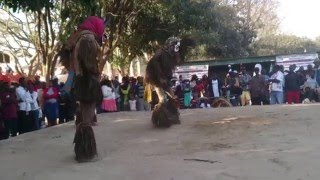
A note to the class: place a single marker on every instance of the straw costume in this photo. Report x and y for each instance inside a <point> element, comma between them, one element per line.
<point>79,56</point>
<point>159,73</point>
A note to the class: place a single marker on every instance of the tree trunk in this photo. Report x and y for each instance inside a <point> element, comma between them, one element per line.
<point>104,56</point>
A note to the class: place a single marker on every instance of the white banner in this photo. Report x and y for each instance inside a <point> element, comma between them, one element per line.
<point>187,71</point>
<point>298,59</point>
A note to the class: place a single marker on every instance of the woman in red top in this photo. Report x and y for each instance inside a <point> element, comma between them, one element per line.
<point>198,89</point>
<point>9,110</point>
<point>51,106</point>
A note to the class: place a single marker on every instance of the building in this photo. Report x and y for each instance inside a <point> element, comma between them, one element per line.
<point>221,66</point>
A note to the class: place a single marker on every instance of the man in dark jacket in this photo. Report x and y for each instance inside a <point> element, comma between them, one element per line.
<point>257,90</point>
<point>292,86</point>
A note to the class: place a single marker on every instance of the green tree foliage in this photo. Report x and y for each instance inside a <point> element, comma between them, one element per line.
<point>258,15</point>
<point>284,44</point>
<point>140,26</point>
<point>26,5</point>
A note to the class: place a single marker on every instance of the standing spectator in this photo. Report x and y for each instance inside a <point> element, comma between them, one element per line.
<point>43,86</point>
<point>245,79</point>
<point>180,79</point>
<point>266,96</point>
<point>51,111</point>
<point>109,98</point>
<point>198,90</point>
<point>9,110</point>
<point>276,80</point>
<point>317,76</point>
<point>62,100</point>
<point>186,88</point>
<point>193,81</point>
<point>34,107</point>
<point>116,87</point>
<point>125,89</point>
<point>233,88</point>
<point>310,71</point>
<point>302,75</point>
<point>142,105</point>
<point>24,99</point>
<point>214,87</point>
<point>37,83</point>
<point>178,92</point>
<point>205,81</point>
<point>258,86</point>
<point>292,86</point>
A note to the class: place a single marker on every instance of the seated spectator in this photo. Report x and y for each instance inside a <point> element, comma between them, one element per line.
<point>309,96</point>
<point>204,102</point>
<point>309,88</point>
<point>311,82</point>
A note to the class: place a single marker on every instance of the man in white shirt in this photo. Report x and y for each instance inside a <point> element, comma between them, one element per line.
<point>24,98</point>
<point>276,80</point>
<point>214,86</point>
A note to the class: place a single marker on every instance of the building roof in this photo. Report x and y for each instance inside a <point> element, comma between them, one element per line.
<point>231,61</point>
<point>245,60</point>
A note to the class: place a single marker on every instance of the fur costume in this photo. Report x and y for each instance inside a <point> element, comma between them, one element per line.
<point>83,48</point>
<point>159,73</point>
<point>85,144</point>
<point>221,102</point>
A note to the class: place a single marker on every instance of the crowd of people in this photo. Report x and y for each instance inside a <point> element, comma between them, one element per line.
<point>30,105</point>
<point>243,88</point>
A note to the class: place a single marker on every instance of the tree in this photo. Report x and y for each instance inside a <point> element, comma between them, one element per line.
<point>259,15</point>
<point>49,25</point>
<point>284,44</point>
<point>140,26</point>
<point>17,40</point>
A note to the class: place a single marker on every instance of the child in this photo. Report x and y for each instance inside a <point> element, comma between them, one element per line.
<point>132,102</point>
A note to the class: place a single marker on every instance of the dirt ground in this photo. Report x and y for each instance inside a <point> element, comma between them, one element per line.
<point>244,143</point>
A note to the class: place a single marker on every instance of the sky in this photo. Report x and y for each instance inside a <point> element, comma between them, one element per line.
<point>300,17</point>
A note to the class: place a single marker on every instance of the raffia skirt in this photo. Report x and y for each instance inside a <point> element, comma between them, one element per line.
<point>109,105</point>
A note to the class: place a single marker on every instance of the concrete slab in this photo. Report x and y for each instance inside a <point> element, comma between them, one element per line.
<point>244,143</point>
